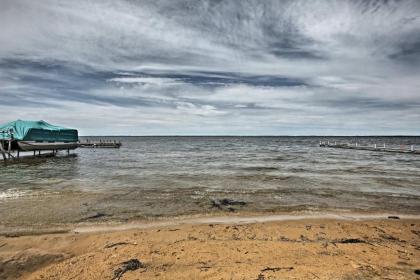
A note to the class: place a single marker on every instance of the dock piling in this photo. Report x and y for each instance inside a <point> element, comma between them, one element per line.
<point>2,151</point>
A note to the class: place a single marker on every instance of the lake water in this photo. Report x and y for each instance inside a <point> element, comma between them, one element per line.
<point>152,177</point>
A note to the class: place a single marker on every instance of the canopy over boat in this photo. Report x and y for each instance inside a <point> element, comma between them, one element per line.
<point>39,131</point>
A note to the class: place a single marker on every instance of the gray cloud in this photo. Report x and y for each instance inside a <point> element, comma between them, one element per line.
<point>213,67</point>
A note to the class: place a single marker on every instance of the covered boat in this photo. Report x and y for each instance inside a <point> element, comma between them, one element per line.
<point>37,135</point>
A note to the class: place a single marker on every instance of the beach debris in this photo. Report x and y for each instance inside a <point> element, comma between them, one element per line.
<point>119,244</point>
<point>303,238</point>
<point>260,277</point>
<point>227,204</point>
<point>316,276</point>
<point>391,238</point>
<point>274,269</point>
<point>204,266</point>
<point>349,241</point>
<point>129,265</point>
<point>394,217</point>
<point>417,271</point>
<point>285,239</point>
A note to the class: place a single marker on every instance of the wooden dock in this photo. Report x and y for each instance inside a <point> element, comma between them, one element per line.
<point>100,144</point>
<point>405,149</point>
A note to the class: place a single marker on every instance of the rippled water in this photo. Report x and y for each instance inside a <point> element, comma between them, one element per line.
<point>166,176</point>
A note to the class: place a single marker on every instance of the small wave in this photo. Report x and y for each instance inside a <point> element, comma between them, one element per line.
<point>12,193</point>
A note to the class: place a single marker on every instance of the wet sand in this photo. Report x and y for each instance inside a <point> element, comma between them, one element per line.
<point>265,247</point>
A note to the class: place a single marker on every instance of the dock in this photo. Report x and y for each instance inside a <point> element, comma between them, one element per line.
<point>100,144</point>
<point>405,149</point>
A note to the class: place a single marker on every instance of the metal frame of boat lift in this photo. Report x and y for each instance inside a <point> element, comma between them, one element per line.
<point>9,148</point>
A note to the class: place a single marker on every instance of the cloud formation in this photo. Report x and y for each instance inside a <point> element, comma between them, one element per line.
<point>213,66</point>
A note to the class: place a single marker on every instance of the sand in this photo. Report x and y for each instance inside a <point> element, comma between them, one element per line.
<point>240,248</point>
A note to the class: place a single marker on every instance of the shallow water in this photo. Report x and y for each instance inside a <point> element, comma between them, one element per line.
<point>169,176</point>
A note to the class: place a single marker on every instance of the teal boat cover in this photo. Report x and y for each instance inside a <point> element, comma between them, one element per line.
<point>39,131</point>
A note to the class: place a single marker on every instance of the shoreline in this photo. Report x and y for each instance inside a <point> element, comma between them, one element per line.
<point>239,219</point>
<point>317,246</point>
<point>242,217</point>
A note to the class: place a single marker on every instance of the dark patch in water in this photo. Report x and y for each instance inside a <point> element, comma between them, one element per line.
<point>260,168</point>
<point>227,204</point>
<point>95,216</point>
<point>298,170</point>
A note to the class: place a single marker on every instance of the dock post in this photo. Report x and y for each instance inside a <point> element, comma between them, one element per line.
<point>412,148</point>
<point>68,152</point>
<point>375,146</point>
<point>9,148</point>
<point>2,151</point>
<point>18,153</point>
<point>34,153</point>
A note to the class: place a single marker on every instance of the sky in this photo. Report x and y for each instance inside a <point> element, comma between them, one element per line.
<point>213,67</point>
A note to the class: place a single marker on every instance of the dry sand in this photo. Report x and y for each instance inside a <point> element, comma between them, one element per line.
<point>303,248</point>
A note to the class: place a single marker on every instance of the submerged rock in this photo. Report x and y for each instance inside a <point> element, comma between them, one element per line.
<point>96,215</point>
<point>226,204</point>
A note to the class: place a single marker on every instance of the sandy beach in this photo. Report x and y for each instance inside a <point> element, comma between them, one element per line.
<point>209,139</point>
<point>230,247</point>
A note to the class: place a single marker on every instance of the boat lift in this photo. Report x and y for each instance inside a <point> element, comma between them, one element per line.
<point>35,136</point>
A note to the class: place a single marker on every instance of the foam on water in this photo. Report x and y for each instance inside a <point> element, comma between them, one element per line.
<point>12,194</point>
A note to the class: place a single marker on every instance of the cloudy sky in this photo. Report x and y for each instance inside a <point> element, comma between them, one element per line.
<point>212,67</point>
